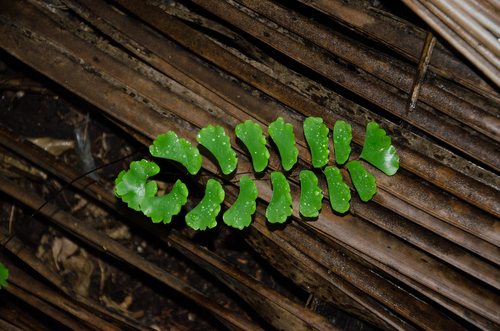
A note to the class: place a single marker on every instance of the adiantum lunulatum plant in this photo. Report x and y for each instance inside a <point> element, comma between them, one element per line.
<point>4,274</point>
<point>133,187</point>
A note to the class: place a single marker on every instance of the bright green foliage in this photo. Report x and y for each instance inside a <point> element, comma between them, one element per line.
<point>317,137</point>
<point>251,135</point>
<point>131,185</point>
<point>203,215</point>
<point>363,181</point>
<point>284,139</point>
<point>240,213</point>
<point>339,192</point>
<point>279,207</point>
<point>4,274</point>
<point>164,207</point>
<point>216,141</point>
<point>378,150</point>
<point>168,146</point>
<point>342,136</point>
<point>310,194</point>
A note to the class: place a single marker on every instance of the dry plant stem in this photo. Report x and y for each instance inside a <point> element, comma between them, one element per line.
<point>23,149</point>
<point>484,8</point>
<point>464,19</point>
<point>20,318</point>
<point>26,85</point>
<point>33,300</point>
<point>404,38</point>
<point>436,225</point>
<point>428,242</point>
<point>299,318</point>
<point>464,32</point>
<point>187,15</point>
<point>414,310</point>
<point>18,248</point>
<point>484,17</point>
<point>393,252</point>
<point>421,71</point>
<point>4,325</point>
<point>324,230</point>
<point>388,272</point>
<point>76,226</point>
<point>432,16</point>
<point>296,244</point>
<point>388,69</point>
<point>324,283</point>
<point>495,4</point>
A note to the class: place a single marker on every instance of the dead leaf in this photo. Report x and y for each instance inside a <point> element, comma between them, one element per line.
<point>8,161</point>
<point>54,146</point>
<point>122,307</point>
<point>71,260</point>
<point>82,202</point>
<point>122,232</point>
<point>8,174</point>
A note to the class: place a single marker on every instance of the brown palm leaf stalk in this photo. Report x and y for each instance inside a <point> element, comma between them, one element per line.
<point>423,254</point>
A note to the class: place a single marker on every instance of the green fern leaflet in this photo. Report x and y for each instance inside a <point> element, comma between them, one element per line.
<point>4,274</point>
<point>378,150</point>
<point>204,214</point>
<point>215,140</point>
<point>131,185</point>
<point>279,207</point>
<point>164,207</point>
<point>310,194</point>
<point>283,137</point>
<point>363,181</point>
<point>251,135</point>
<point>168,146</point>
<point>240,213</point>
